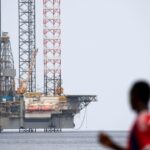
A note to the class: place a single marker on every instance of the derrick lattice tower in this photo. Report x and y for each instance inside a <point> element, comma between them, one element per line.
<point>8,72</point>
<point>52,47</point>
<point>27,44</point>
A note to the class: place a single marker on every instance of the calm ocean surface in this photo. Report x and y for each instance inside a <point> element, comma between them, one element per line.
<point>75,140</point>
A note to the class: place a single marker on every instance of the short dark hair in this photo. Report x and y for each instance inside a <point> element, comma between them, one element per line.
<point>142,90</point>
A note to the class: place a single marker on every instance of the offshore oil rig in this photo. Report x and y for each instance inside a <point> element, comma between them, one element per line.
<point>24,108</point>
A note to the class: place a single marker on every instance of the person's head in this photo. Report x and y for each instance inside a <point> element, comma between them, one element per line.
<point>139,96</point>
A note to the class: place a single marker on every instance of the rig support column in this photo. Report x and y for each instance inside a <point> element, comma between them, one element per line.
<point>21,111</point>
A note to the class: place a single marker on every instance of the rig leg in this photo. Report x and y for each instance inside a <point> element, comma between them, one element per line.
<point>1,129</point>
<point>45,129</point>
<point>49,130</point>
<point>58,130</point>
<point>21,129</point>
<point>31,130</point>
<point>26,130</point>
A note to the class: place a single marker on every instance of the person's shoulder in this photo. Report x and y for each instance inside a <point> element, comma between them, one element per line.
<point>143,121</point>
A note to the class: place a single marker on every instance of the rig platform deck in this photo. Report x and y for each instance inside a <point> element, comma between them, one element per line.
<point>45,112</point>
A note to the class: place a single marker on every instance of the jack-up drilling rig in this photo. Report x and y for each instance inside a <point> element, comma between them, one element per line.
<point>50,109</point>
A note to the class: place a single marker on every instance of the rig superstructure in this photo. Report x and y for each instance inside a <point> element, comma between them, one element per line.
<point>28,109</point>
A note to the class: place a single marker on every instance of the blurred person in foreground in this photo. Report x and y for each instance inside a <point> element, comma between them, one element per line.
<point>139,138</point>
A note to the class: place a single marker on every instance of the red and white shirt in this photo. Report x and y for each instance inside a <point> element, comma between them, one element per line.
<point>139,138</point>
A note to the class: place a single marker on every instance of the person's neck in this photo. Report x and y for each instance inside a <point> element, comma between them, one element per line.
<point>142,108</point>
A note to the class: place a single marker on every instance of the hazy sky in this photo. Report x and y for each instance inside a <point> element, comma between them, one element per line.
<point>105,48</point>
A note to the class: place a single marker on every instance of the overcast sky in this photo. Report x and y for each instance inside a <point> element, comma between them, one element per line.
<point>105,48</point>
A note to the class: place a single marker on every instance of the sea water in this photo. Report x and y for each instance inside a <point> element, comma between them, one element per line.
<point>66,140</point>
